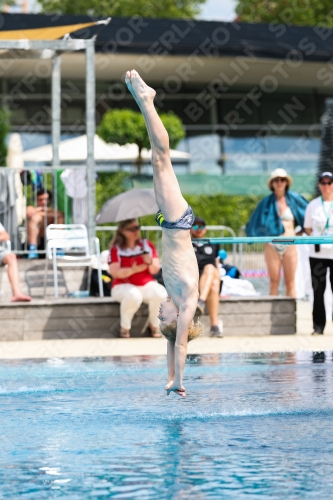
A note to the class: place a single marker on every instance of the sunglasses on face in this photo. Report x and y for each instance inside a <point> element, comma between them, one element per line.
<point>132,229</point>
<point>196,227</point>
<point>279,179</point>
<point>328,183</point>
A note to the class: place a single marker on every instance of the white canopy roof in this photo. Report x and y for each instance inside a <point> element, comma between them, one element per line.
<point>75,150</point>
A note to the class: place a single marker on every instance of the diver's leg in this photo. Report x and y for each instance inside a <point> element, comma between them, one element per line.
<point>167,191</point>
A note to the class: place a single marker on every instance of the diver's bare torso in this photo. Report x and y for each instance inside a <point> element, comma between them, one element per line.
<point>179,264</point>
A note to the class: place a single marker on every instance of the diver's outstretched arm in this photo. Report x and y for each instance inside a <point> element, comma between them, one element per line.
<point>170,363</point>
<point>185,318</point>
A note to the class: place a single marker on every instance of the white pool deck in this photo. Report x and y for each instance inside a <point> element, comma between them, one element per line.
<point>68,348</point>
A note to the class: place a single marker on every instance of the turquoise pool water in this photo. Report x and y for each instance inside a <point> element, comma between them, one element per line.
<point>251,427</point>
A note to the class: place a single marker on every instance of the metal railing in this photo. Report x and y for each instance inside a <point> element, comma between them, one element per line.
<point>250,256</point>
<point>21,211</point>
<point>154,234</point>
<point>24,218</point>
<point>252,264</point>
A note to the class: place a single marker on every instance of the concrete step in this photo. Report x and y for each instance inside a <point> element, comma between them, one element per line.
<point>94,317</point>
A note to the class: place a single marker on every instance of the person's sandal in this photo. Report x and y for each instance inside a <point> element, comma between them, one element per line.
<point>124,334</point>
<point>154,332</point>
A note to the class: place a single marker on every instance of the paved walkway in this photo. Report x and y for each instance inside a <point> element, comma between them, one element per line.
<point>157,347</point>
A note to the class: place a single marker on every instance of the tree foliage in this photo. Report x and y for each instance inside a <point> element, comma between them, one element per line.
<point>4,131</point>
<point>152,8</point>
<point>297,12</point>
<point>4,3</point>
<point>124,126</point>
<point>108,185</point>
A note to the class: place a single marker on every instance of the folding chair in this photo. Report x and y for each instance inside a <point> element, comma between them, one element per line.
<point>7,244</point>
<point>67,245</point>
<point>35,280</point>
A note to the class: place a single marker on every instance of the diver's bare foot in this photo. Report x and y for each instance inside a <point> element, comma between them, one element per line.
<point>138,88</point>
<point>20,297</point>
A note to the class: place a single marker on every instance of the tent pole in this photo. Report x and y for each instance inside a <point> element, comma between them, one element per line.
<point>90,130</point>
<point>56,110</point>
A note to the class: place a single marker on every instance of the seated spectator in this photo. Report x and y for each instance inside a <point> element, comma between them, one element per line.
<point>38,218</point>
<point>133,261</point>
<point>9,258</point>
<point>209,275</point>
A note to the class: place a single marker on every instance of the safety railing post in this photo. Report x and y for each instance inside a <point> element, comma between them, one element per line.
<point>90,130</point>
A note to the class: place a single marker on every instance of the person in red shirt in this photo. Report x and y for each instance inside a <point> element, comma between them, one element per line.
<point>132,263</point>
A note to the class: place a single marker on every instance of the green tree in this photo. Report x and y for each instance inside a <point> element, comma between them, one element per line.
<point>298,12</point>
<point>110,184</point>
<point>4,131</point>
<point>4,3</point>
<point>124,126</point>
<point>152,8</point>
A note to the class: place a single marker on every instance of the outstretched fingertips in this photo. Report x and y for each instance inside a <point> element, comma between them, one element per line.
<point>180,392</point>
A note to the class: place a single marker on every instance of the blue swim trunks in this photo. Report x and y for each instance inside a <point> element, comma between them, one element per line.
<point>184,222</point>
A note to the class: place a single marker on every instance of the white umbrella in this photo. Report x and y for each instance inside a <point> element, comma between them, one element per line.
<point>15,160</point>
<point>129,205</point>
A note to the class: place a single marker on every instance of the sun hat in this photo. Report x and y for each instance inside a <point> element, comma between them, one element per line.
<point>279,172</point>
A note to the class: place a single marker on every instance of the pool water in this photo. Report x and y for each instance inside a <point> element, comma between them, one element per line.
<point>251,427</point>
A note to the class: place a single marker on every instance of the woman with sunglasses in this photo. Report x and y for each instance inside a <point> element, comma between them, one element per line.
<point>180,269</point>
<point>278,215</point>
<point>319,221</point>
<point>133,261</point>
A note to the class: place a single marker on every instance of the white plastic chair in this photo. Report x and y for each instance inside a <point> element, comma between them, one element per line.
<point>70,239</point>
<point>7,244</point>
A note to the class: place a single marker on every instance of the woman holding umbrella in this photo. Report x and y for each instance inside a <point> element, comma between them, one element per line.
<point>133,261</point>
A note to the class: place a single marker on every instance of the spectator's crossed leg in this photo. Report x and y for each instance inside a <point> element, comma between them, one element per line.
<point>13,276</point>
